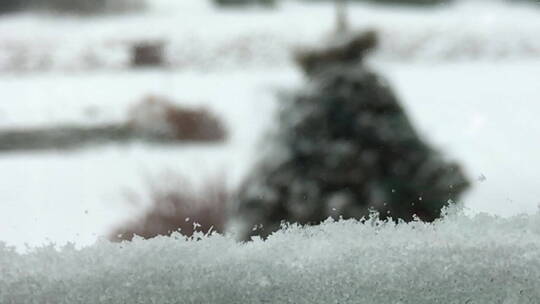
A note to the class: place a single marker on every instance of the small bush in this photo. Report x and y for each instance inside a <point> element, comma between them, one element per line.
<point>177,206</point>
<point>158,117</point>
<point>148,53</point>
<point>153,120</point>
<point>355,49</point>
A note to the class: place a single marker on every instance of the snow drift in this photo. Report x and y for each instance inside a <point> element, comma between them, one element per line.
<point>455,260</point>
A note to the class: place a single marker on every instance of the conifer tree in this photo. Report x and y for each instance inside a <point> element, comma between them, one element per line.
<point>344,147</point>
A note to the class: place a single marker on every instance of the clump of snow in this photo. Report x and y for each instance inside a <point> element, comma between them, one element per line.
<point>459,259</point>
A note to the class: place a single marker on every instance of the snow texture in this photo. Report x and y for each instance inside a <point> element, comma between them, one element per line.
<point>481,112</point>
<point>455,260</point>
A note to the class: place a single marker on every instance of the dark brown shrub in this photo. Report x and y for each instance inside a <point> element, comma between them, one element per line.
<point>345,52</point>
<point>157,116</point>
<point>179,206</point>
<point>148,53</point>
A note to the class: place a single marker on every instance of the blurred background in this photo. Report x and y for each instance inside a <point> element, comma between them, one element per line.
<point>114,113</point>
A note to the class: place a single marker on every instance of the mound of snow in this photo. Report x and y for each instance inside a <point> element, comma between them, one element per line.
<point>456,260</point>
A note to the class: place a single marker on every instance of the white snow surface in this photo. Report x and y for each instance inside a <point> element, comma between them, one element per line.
<point>202,37</point>
<point>457,260</point>
<point>80,194</point>
<point>482,112</point>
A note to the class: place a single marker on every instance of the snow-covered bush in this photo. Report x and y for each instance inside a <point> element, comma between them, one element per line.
<point>456,260</point>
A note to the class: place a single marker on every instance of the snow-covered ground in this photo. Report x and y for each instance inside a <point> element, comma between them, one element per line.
<point>457,260</point>
<point>467,74</point>
<point>201,36</point>
<point>79,194</point>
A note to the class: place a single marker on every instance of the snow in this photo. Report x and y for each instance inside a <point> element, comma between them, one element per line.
<point>202,37</point>
<point>51,98</point>
<point>474,112</point>
<point>80,195</point>
<point>478,105</point>
<point>58,186</point>
<point>460,259</point>
<point>484,114</point>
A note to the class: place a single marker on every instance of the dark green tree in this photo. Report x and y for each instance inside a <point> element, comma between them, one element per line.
<point>345,146</point>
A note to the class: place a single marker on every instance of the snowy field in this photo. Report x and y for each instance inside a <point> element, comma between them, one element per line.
<point>457,260</point>
<point>203,37</point>
<point>468,75</point>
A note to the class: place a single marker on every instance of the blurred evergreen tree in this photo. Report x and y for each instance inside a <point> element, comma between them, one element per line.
<point>345,146</point>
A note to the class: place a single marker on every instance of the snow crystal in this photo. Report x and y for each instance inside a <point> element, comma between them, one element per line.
<point>458,259</point>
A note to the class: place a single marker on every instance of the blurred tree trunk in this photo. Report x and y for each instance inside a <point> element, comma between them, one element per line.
<point>342,22</point>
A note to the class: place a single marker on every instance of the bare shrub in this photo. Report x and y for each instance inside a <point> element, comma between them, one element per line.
<point>148,53</point>
<point>159,116</point>
<point>153,120</point>
<point>179,206</point>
